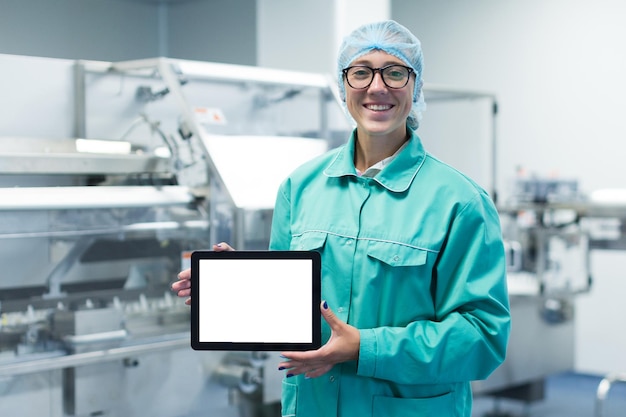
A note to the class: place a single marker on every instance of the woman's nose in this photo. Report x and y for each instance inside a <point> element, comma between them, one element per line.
<point>377,82</point>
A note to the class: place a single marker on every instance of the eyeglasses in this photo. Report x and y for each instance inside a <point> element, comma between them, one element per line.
<point>360,77</point>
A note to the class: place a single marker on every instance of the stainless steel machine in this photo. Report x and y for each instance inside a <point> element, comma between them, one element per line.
<point>547,267</point>
<point>110,174</point>
<point>550,229</point>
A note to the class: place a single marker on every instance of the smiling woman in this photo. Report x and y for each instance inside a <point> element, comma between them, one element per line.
<point>395,40</point>
<point>413,268</point>
<point>380,111</point>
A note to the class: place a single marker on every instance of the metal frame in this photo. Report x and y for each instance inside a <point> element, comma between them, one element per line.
<point>172,72</point>
<point>603,391</point>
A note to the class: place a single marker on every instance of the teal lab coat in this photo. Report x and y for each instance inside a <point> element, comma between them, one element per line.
<point>413,258</point>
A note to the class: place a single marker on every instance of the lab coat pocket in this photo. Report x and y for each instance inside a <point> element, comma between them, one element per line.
<point>396,254</point>
<point>439,406</point>
<point>308,241</point>
<point>289,400</point>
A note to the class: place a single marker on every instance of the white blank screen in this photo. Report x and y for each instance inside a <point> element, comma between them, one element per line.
<point>255,300</point>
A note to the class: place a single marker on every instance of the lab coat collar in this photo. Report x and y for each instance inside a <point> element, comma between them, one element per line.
<point>396,177</point>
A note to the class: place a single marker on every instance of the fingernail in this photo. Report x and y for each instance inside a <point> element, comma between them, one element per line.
<point>325,305</point>
<point>281,368</point>
<point>289,375</point>
<point>219,245</point>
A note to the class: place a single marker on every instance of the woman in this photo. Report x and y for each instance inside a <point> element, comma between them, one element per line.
<point>413,271</point>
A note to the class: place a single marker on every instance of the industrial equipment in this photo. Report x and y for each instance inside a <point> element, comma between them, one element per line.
<point>110,175</point>
<point>550,229</point>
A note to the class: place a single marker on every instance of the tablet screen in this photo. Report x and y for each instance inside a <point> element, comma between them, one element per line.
<point>255,300</point>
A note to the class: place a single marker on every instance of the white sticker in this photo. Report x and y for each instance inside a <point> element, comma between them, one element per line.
<point>210,116</point>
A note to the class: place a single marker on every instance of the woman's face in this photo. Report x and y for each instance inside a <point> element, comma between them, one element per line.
<point>379,110</point>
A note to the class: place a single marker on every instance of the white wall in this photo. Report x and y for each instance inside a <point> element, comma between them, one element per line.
<point>305,36</point>
<point>557,68</point>
<point>295,35</point>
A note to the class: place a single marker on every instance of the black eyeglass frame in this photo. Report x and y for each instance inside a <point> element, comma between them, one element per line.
<point>379,70</point>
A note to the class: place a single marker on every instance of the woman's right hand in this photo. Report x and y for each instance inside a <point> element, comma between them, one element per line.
<point>182,287</point>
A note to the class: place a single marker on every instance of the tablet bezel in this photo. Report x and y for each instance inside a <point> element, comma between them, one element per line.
<point>225,345</point>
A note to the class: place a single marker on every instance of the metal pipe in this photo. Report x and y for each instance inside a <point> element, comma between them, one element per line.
<point>55,278</point>
<point>105,355</point>
<point>89,197</point>
<point>494,150</point>
<point>603,391</point>
<point>80,124</point>
<point>136,227</point>
<point>173,83</point>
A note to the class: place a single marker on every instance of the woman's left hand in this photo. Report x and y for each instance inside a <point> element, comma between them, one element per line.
<point>342,346</point>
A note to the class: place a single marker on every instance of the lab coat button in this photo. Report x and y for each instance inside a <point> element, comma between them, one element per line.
<point>396,258</point>
<point>332,378</point>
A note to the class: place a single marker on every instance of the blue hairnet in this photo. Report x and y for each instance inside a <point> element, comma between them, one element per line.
<point>390,37</point>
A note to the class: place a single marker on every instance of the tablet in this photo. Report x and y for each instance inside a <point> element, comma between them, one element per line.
<point>255,300</point>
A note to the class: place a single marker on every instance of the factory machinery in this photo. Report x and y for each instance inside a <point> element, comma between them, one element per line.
<point>551,228</point>
<point>112,173</point>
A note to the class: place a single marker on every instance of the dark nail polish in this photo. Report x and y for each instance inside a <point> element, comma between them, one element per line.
<point>282,368</point>
<point>325,305</point>
<point>289,375</point>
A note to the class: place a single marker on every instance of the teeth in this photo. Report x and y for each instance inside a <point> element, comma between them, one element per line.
<point>379,107</point>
